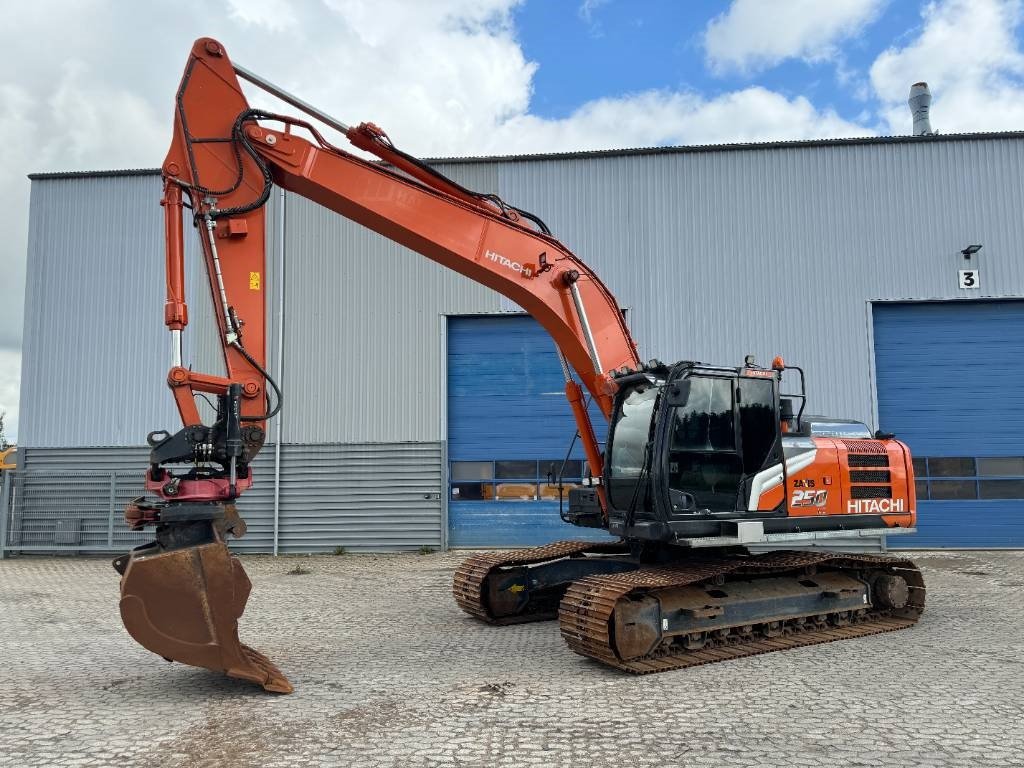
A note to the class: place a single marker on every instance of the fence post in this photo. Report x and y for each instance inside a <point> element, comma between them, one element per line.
<point>5,496</point>
<point>110,509</point>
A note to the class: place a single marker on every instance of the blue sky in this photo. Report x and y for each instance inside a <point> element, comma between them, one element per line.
<point>89,85</point>
<point>587,51</point>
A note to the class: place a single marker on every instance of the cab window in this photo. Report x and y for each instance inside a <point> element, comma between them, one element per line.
<point>758,422</point>
<point>705,423</point>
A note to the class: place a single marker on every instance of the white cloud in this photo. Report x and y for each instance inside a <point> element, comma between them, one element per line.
<point>754,34</point>
<point>446,77</point>
<point>586,12</point>
<point>10,375</point>
<point>968,53</point>
<point>275,15</point>
<point>587,8</point>
<point>657,118</point>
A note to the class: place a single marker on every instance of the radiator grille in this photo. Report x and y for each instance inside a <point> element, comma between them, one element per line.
<point>869,476</point>
<point>873,460</point>
<point>864,446</point>
<point>871,492</point>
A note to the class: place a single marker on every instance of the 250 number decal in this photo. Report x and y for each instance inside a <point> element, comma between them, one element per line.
<point>809,498</point>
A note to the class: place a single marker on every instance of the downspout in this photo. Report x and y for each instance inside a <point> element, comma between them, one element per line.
<point>279,372</point>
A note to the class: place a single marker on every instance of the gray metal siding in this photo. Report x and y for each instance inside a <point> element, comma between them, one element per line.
<point>778,251</point>
<point>93,314</point>
<point>361,497</point>
<point>372,497</point>
<point>95,352</point>
<point>716,254</point>
<point>363,316</point>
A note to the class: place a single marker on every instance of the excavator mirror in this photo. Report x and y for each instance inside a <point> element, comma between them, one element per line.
<point>678,393</point>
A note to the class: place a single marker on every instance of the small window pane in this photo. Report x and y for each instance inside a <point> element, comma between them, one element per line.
<point>920,470</point>
<point>472,470</point>
<point>922,489</point>
<point>759,422</point>
<point>1009,466</point>
<point>550,467</point>
<point>514,469</point>
<point>943,467</point>
<point>549,492</point>
<point>705,423</point>
<point>1002,489</point>
<point>516,491</point>
<point>472,491</point>
<point>954,489</point>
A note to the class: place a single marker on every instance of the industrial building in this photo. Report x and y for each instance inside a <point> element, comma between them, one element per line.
<point>422,409</point>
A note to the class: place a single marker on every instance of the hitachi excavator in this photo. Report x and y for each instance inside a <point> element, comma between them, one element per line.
<point>702,462</point>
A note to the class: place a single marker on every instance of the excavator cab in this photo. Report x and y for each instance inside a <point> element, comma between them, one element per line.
<point>720,430</point>
<point>686,447</point>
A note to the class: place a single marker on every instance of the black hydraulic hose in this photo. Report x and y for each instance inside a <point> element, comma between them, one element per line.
<point>641,478</point>
<point>561,474</point>
<point>239,138</point>
<point>493,198</point>
<point>277,390</point>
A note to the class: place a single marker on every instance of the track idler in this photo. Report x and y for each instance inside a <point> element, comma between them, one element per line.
<point>182,595</point>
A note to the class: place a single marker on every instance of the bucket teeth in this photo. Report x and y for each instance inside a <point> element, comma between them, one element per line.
<point>271,678</point>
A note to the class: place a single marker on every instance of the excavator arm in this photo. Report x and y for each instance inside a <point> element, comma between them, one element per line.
<point>222,163</point>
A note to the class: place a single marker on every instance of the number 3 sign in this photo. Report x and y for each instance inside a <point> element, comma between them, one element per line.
<point>969,278</point>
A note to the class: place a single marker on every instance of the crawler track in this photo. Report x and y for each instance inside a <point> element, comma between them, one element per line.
<point>586,611</point>
<point>471,576</point>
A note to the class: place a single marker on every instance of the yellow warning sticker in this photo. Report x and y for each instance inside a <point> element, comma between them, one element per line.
<point>254,281</point>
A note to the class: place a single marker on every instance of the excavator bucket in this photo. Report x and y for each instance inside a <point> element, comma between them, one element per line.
<point>184,604</point>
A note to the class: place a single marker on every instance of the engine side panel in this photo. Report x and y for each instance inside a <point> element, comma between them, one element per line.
<point>837,477</point>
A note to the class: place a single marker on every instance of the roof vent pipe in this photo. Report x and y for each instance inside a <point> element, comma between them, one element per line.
<point>920,102</point>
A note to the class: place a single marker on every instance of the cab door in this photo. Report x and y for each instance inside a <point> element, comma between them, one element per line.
<point>758,428</point>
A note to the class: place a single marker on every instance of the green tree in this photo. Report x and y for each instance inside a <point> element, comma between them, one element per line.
<point>4,445</point>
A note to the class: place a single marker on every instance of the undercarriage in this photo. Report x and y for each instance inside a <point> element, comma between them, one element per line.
<point>650,611</point>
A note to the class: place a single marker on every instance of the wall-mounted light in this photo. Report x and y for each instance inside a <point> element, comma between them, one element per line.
<point>970,250</point>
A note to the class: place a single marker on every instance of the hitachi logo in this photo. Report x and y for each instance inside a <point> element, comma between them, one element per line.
<point>515,266</point>
<point>874,506</point>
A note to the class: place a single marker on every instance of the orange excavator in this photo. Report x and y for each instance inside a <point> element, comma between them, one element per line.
<point>702,462</point>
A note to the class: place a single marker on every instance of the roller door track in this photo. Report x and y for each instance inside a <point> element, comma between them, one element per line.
<point>509,425</point>
<point>948,384</point>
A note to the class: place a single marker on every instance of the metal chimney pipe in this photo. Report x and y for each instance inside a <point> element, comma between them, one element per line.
<point>920,102</point>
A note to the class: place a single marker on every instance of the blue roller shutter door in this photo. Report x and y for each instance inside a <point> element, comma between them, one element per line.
<point>508,422</point>
<point>948,383</point>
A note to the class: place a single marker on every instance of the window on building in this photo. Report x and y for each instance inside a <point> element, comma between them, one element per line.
<point>944,478</point>
<point>513,479</point>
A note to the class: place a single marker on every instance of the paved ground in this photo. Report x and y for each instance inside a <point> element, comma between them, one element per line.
<point>388,672</point>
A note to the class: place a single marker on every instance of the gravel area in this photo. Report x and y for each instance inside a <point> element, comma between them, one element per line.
<point>388,672</point>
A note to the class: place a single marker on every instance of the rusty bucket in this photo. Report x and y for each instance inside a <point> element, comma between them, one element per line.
<point>184,604</point>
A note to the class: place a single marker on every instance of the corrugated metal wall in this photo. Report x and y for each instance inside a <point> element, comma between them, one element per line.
<point>94,314</point>
<point>358,496</point>
<point>363,327</point>
<point>778,251</point>
<point>716,253</point>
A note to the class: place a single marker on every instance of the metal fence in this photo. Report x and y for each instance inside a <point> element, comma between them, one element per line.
<point>75,512</point>
<point>362,497</point>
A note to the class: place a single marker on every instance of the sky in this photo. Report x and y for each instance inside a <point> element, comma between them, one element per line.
<point>89,85</point>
